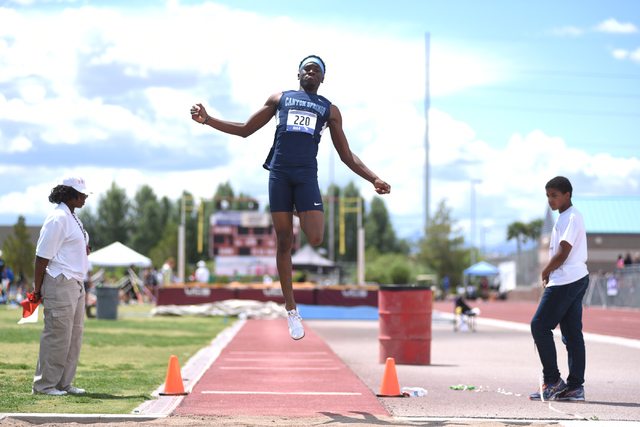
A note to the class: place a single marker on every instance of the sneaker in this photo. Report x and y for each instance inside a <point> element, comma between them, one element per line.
<point>575,395</point>
<point>53,392</point>
<point>74,390</point>
<point>295,324</point>
<point>549,391</point>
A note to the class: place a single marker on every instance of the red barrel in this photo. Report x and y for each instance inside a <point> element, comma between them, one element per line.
<point>405,324</point>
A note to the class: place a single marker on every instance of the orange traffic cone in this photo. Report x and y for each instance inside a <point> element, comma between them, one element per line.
<point>390,386</point>
<point>173,385</point>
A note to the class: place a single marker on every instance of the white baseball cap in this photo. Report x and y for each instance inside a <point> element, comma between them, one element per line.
<point>201,264</point>
<point>75,181</point>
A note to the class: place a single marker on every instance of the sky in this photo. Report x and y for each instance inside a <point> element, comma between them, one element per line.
<point>519,92</point>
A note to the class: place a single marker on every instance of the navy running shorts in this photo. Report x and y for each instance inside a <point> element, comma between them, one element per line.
<point>297,186</point>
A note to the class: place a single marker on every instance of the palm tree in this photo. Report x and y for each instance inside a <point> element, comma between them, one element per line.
<point>520,231</point>
<point>534,228</point>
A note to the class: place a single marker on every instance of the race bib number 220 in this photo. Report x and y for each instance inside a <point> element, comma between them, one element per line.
<point>301,121</point>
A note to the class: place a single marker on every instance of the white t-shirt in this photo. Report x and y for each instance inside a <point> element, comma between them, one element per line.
<point>202,275</point>
<point>570,228</point>
<point>63,243</point>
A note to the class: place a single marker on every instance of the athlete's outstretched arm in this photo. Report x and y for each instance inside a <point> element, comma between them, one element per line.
<point>348,157</point>
<point>255,122</point>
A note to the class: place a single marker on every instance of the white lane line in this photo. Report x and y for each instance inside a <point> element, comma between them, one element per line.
<point>280,352</point>
<point>525,327</point>
<point>277,360</point>
<point>271,368</point>
<point>306,393</point>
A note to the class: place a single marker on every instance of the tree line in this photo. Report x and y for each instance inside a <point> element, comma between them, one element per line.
<point>149,225</point>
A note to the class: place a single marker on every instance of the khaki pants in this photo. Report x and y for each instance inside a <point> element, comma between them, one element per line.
<point>63,300</point>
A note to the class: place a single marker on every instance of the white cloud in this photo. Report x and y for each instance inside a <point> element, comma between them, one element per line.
<point>568,31</point>
<point>20,144</point>
<point>16,145</point>
<point>379,88</point>
<point>32,2</point>
<point>611,25</point>
<point>622,54</point>
<point>27,203</point>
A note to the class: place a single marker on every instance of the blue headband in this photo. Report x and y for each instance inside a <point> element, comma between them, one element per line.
<point>315,61</point>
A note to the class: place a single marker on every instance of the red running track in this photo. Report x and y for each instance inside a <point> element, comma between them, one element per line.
<point>624,323</point>
<point>262,371</point>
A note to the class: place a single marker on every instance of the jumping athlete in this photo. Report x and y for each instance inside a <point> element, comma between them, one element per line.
<point>301,117</point>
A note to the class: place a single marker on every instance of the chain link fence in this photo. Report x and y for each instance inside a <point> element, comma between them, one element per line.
<point>619,288</point>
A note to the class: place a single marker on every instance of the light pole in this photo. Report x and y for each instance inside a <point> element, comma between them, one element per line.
<point>473,219</point>
<point>483,241</point>
<point>427,101</point>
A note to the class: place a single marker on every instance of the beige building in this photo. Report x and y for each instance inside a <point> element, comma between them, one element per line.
<point>613,229</point>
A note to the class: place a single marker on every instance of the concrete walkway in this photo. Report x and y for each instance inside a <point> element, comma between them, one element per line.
<point>500,361</point>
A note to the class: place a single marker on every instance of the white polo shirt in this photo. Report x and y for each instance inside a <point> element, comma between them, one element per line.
<point>570,228</point>
<point>63,243</point>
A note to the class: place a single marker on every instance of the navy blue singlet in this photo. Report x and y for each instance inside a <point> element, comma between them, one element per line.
<point>300,121</point>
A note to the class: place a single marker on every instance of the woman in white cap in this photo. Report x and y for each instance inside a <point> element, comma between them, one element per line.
<point>60,267</point>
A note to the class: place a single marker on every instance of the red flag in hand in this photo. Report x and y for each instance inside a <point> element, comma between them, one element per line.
<point>29,308</point>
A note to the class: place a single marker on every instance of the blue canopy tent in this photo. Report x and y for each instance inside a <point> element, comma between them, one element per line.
<point>481,269</point>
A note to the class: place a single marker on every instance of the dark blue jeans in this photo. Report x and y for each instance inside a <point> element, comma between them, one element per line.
<point>561,305</point>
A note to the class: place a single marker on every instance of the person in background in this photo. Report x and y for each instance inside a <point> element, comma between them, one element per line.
<point>484,289</point>
<point>22,285</point>
<point>87,282</point>
<point>150,279</point>
<point>7,278</point>
<point>166,272</point>
<point>202,272</point>
<point>60,267</point>
<point>446,284</point>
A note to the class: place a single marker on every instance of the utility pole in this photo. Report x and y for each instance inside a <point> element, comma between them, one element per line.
<point>181,243</point>
<point>332,237</point>
<point>427,102</point>
<point>473,219</point>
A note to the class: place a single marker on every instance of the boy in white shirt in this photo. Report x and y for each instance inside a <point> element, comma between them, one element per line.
<point>565,279</point>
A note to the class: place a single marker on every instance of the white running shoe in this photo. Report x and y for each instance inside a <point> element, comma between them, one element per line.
<point>295,324</point>
<point>74,390</point>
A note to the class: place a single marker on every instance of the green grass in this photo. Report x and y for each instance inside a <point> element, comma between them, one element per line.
<point>122,361</point>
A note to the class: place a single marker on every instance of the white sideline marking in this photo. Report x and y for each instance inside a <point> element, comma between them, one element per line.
<point>315,353</point>
<point>278,368</point>
<point>306,393</point>
<point>524,327</point>
<point>277,360</point>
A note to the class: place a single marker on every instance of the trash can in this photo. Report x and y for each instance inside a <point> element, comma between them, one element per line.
<point>107,303</point>
<point>405,324</point>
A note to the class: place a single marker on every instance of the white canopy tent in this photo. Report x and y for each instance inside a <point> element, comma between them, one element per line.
<point>118,255</point>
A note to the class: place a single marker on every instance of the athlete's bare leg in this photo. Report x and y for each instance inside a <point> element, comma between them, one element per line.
<point>283,226</point>
<point>312,224</point>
